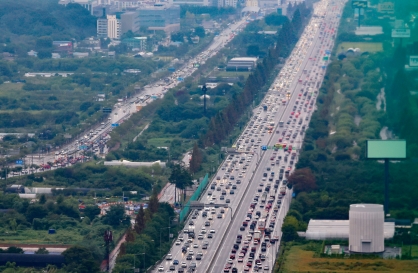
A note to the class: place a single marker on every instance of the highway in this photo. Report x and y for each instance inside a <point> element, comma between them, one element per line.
<point>98,134</point>
<point>290,103</point>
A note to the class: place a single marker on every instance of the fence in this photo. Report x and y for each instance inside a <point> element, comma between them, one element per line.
<point>194,197</point>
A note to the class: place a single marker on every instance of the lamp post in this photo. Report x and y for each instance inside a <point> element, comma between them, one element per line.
<point>135,261</point>
<point>169,225</point>
<point>144,255</point>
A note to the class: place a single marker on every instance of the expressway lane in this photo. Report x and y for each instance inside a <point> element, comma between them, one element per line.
<point>224,253</point>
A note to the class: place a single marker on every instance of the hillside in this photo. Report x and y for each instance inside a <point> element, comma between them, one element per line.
<point>23,21</point>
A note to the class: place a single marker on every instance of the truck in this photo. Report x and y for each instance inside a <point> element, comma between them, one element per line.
<point>282,190</point>
<point>281,123</point>
<point>257,235</point>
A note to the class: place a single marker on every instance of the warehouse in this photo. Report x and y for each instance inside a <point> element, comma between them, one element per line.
<point>241,64</point>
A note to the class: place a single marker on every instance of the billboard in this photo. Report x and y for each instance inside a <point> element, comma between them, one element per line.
<point>359,4</point>
<point>413,61</point>
<point>386,7</point>
<point>401,33</point>
<point>381,149</point>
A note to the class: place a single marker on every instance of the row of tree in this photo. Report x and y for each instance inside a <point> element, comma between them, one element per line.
<point>223,122</point>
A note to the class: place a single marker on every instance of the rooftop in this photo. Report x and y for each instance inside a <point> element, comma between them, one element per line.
<point>338,229</point>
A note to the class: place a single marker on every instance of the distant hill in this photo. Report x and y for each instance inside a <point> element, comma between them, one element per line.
<point>23,20</point>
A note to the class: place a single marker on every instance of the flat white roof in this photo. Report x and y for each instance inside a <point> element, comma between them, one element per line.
<point>251,59</point>
<point>338,229</point>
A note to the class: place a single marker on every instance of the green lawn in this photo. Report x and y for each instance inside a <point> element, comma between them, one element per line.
<point>370,47</point>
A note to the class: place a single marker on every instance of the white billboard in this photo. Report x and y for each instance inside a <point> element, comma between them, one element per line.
<point>388,7</point>
<point>413,61</point>
<point>401,33</point>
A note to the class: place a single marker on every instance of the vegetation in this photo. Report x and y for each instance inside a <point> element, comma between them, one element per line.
<point>24,21</point>
<point>151,238</point>
<point>332,171</point>
<point>302,258</point>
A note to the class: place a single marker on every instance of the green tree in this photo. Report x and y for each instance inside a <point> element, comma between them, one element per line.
<point>253,50</point>
<point>42,250</point>
<point>180,177</point>
<point>289,229</point>
<point>91,211</point>
<point>35,211</point>
<point>199,31</point>
<point>42,199</point>
<point>115,215</point>
<point>79,259</point>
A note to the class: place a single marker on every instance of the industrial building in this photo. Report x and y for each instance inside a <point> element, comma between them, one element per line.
<point>129,21</point>
<point>241,64</point>
<point>365,229</point>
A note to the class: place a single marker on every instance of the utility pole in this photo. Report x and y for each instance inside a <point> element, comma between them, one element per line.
<point>108,237</point>
<point>204,89</point>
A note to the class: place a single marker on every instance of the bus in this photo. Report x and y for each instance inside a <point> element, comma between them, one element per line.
<point>261,224</point>
<point>264,197</point>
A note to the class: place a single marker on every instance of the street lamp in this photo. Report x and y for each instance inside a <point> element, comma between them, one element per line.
<point>144,255</point>
<point>135,261</point>
<point>169,225</point>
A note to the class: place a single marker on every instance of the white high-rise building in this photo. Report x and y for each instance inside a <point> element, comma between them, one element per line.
<point>113,27</point>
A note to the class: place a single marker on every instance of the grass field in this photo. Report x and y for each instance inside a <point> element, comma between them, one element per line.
<point>370,47</point>
<point>300,260</point>
<point>160,142</point>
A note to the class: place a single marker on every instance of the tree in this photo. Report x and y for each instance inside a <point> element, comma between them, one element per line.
<point>302,180</point>
<point>115,215</point>
<point>35,211</point>
<point>42,199</point>
<point>42,250</point>
<point>199,31</point>
<point>153,201</point>
<point>140,220</point>
<point>79,259</point>
<point>91,211</point>
<point>130,236</point>
<point>196,159</point>
<point>253,50</point>
<point>289,229</point>
<point>275,19</point>
<point>180,177</point>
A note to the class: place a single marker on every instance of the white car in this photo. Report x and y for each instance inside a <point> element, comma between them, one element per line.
<point>169,257</point>
<point>161,269</point>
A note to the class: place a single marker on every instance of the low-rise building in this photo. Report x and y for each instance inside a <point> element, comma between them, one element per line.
<point>241,64</point>
<point>136,43</point>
